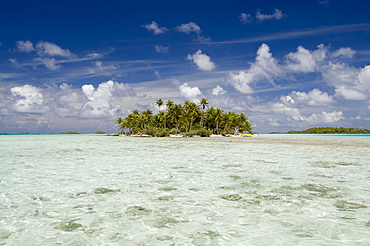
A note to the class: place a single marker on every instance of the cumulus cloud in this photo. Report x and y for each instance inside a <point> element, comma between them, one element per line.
<point>325,117</point>
<point>155,28</point>
<point>161,49</point>
<point>312,98</point>
<point>265,68</point>
<point>245,18</point>
<point>218,90</point>
<point>338,74</point>
<point>241,81</point>
<point>189,92</point>
<point>350,93</point>
<point>25,46</point>
<point>277,15</point>
<point>101,102</point>
<point>294,117</point>
<point>189,28</point>
<point>349,83</point>
<point>364,79</point>
<point>28,99</point>
<point>344,52</point>
<point>304,60</point>
<point>203,61</point>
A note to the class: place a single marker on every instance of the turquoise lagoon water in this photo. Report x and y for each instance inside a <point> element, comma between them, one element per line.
<point>264,190</point>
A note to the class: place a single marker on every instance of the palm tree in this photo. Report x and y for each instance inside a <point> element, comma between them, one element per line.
<point>163,117</point>
<point>228,122</point>
<point>217,118</point>
<point>159,103</point>
<point>132,122</point>
<point>192,112</point>
<point>119,122</point>
<point>187,117</point>
<point>145,118</point>
<point>203,102</point>
<point>174,113</point>
<point>169,104</point>
<point>244,124</point>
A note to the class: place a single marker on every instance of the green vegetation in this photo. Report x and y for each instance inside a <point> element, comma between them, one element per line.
<point>3,133</point>
<point>188,119</point>
<point>332,130</point>
<point>24,133</point>
<point>68,133</point>
<point>100,133</point>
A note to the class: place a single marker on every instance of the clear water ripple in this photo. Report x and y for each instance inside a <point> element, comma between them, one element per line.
<point>266,190</point>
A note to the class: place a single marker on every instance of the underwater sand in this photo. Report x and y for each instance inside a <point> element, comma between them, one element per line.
<point>264,190</point>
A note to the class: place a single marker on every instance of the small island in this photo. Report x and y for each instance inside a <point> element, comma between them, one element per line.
<point>188,119</point>
<point>330,130</point>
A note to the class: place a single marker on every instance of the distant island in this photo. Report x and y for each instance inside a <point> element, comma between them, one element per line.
<point>187,119</point>
<point>68,133</point>
<point>329,130</point>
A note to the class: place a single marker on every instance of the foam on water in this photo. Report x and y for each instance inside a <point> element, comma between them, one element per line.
<point>266,190</point>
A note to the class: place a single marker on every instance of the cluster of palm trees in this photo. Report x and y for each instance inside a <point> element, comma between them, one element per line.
<point>189,119</point>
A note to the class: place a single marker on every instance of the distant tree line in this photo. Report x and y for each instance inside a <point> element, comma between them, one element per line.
<point>188,119</point>
<point>332,130</point>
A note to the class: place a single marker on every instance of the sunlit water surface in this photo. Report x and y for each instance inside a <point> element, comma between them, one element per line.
<point>264,190</point>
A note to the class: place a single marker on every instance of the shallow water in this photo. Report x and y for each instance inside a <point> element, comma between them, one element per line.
<point>265,190</point>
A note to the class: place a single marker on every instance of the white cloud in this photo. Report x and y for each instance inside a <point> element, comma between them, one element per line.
<point>93,55</point>
<point>277,15</point>
<point>265,68</point>
<point>102,67</point>
<point>161,49</point>
<point>65,86</point>
<point>99,64</point>
<point>304,60</point>
<point>202,39</point>
<point>350,93</point>
<point>325,117</point>
<point>189,92</point>
<point>245,18</point>
<point>338,74</point>
<point>241,81</point>
<point>364,79</point>
<point>102,101</point>
<point>218,90</point>
<point>25,46</point>
<point>44,48</point>
<point>294,117</point>
<point>46,52</point>
<point>326,2</point>
<point>345,52</point>
<point>157,74</point>
<point>293,113</point>
<point>153,27</point>
<point>189,28</point>
<point>50,63</point>
<point>203,61</point>
<point>29,99</point>
<point>312,98</point>
<point>14,62</point>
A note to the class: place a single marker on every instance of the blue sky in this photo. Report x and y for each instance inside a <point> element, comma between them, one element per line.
<point>78,65</point>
